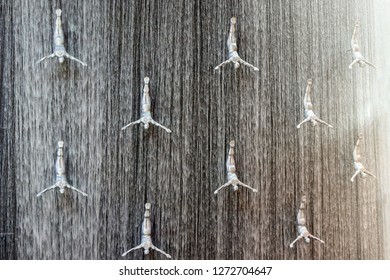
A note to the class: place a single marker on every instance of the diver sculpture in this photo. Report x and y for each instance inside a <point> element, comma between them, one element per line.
<point>301,224</point>
<point>61,181</point>
<point>309,113</point>
<point>231,172</point>
<point>356,54</point>
<point>232,46</point>
<point>59,39</point>
<point>146,239</point>
<point>146,115</point>
<point>357,157</point>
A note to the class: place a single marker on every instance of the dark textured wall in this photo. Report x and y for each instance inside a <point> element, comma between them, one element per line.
<point>7,134</point>
<point>177,44</point>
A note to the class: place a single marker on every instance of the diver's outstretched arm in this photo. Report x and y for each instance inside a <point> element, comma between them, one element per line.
<point>248,64</point>
<point>75,189</point>
<point>136,122</point>
<point>75,59</point>
<point>222,64</point>
<point>305,120</point>
<point>47,189</point>
<point>246,186</point>
<point>132,249</point>
<point>43,58</point>
<point>369,173</point>
<point>369,63</point>
<point>353,62</point>
<point>160,125</point>
<point>312,236</point>
<point>161,251</point>
<point>221,187</point>
<point>323,122</point>
<point>292,243</point>
<point>354,175</point>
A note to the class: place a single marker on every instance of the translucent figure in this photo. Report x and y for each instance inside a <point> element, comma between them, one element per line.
<point>59,48</point>
<point>146,115</point>
<point>309,114</point>
<point>146,240</point>
<point>360,169</point>
<point>61,181</point>
<point>357,56</point>
<point>231,172</point>
<point>232,46</point>
<point>301,224</point>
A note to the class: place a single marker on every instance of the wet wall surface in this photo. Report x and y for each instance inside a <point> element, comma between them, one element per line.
<point>178,44</point>
<point>381,105</point>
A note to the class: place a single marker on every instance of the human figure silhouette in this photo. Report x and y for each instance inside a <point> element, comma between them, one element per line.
<point>146,239</point>
<point>231,172</point>
<point>301,225</point>
<point>232,46</point>
<point>146,115</point>
<point>356,54</point>
<point>357,157</point>
<point>59,39</point>
<point>61,181</point>
<point>309,113</point>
